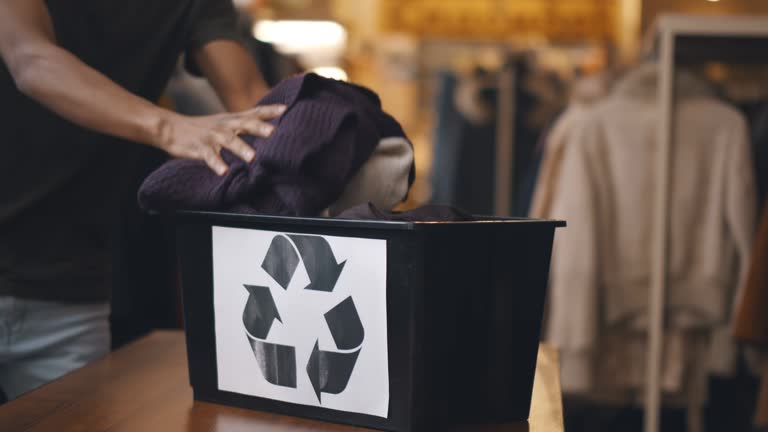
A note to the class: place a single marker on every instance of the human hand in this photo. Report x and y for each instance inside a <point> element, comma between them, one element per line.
<point>203,137</point>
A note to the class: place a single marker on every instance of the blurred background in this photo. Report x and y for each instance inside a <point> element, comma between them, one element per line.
<point>490,92</point>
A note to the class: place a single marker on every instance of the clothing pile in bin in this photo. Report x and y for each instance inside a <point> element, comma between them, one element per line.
<point>333,149</point>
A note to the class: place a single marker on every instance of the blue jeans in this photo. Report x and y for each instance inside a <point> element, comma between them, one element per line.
<point>41,341</point>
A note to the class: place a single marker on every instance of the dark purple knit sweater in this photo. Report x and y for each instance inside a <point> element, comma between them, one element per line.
<point>328,131</point>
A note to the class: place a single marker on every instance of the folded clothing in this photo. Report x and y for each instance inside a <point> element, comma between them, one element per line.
<point>383,180</point>
<point>427,213</point>
<point>328,132</point>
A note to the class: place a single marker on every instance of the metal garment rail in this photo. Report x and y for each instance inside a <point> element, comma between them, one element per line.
<point>668,29</point>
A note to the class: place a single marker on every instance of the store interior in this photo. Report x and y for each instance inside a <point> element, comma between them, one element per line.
<point>556,109</point>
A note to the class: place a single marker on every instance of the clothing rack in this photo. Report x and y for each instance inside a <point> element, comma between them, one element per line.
<point>684,38</point>
<point>503,153</point>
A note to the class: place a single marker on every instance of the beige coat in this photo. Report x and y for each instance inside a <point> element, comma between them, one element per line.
<point>601,263</point>
<point>587,92</point>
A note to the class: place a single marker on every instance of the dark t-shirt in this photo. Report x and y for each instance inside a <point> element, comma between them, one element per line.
<point>58,182</point>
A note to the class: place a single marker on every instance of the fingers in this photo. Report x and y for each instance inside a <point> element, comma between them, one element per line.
<point>234,144</point>
<point>265,112</point>
<point>231,142</point>
<point>241,149</point>
<point>225,135</point>
<point>255,127</point>
<point>254,121</point>
<point>249,125</point>
<point>214,161</point>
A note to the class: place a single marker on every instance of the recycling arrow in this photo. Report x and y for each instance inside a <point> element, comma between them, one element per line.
<point>260,311</point>
<point>277,362</point>
<point>281,261</point>
<point>319,261</point>
<point>329,371</point>
<point>345,325</point>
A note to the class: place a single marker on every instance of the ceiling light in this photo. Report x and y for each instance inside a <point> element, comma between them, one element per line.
<point>296,37</point>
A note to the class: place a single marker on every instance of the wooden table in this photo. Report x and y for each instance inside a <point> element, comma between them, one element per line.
<point>145,387</point>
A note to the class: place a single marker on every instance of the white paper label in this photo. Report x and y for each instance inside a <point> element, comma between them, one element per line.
<point>302,318</point>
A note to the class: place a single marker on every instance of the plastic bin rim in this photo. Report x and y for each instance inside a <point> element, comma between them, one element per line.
<point>213,217</point>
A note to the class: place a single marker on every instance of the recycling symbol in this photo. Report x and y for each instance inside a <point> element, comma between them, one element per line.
<point>329,371</point>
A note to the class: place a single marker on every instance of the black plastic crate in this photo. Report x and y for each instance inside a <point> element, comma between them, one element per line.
<point>463,308</point>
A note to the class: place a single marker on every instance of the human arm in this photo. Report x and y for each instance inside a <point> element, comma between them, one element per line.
<point>232,72</point>
<point>58,80</point>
